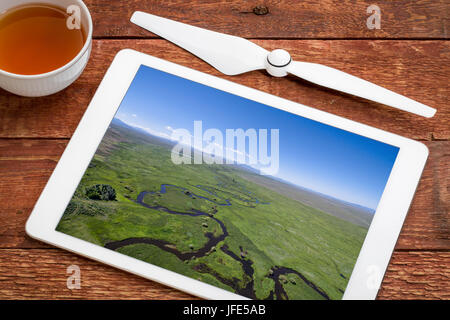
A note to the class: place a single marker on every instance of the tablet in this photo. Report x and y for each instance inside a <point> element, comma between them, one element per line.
<point>227,192</point>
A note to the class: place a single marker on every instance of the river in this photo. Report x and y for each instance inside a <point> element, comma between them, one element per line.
<point>213,241</point>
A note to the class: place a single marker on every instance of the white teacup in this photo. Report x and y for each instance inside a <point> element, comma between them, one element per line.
<point>51,82</point>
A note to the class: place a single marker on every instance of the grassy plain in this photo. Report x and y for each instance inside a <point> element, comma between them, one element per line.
<point>264,226</point>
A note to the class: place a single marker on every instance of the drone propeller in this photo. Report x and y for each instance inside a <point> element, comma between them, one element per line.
<point>233,55</point>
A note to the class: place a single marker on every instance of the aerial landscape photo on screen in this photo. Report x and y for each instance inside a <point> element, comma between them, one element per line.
<point>293,234</point>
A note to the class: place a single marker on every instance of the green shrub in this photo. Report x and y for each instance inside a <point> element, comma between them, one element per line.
<point>101,192</point>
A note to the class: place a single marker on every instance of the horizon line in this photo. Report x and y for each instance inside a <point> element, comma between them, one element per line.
<point>167,137</point>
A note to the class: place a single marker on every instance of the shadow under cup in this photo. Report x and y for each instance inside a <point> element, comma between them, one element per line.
<point>47,83</point>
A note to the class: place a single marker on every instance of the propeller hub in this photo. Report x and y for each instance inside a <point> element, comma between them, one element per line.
<point>277,61</point>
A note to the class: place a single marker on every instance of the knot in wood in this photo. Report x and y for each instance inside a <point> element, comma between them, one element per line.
<point>260,10</point>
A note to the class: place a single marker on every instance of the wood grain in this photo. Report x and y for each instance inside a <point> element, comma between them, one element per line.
<point>403,66</point>
<point>285,19</point>
<point>42,274</point>
<point>26,165</point>
<point>417,275</point>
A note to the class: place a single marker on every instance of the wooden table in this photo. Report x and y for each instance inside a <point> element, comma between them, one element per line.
<point>410,54</point>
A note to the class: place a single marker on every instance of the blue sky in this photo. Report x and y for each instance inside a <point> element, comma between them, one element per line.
<point>312,155</point>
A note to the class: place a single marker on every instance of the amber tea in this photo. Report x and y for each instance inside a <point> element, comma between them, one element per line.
<point>36,39</point>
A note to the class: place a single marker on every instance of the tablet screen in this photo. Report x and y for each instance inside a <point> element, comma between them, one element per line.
<point>229,191</point>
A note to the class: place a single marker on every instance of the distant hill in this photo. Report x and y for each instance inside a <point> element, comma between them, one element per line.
<point>120,123</point>
<point>345,210</point>
<point>131,133</point>
<point>360,207</point>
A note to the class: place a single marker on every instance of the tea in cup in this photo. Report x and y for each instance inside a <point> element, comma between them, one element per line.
<point>44,46</point>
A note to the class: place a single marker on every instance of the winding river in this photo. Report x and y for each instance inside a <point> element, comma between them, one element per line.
<point>213,241</point>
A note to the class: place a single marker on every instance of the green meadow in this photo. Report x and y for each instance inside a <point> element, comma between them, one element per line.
<point>265,229</point>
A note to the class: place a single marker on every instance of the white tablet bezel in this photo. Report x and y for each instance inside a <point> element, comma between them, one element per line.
<point>381,237</point>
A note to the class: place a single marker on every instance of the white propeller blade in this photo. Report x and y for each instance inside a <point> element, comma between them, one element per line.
<point>233,55</point>
<point>341,81</point>
<point>229,54</point>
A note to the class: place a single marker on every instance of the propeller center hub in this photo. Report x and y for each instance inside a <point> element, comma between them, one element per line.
<point>277,61</point>
<point>279,58</point>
